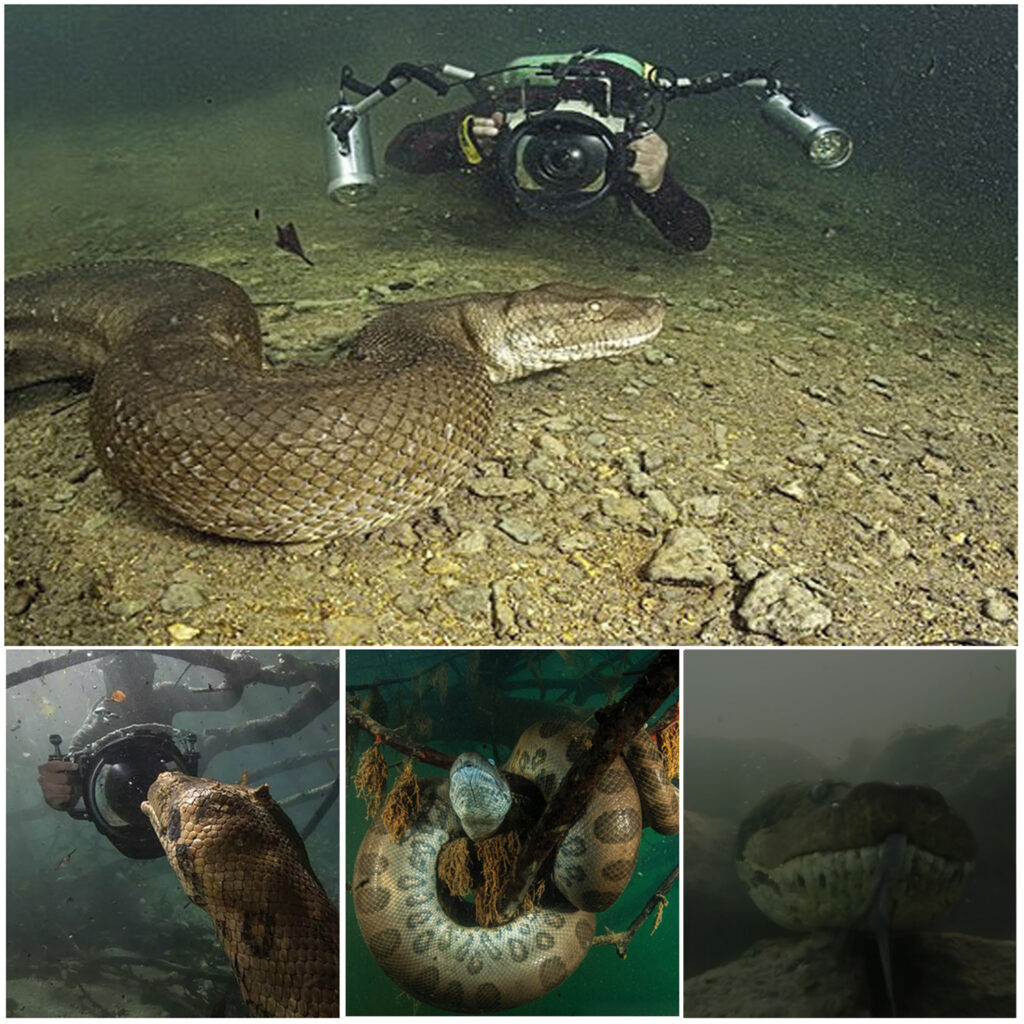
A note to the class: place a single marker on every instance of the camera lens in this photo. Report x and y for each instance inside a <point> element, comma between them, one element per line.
<point>121,788</point>
<point>562,160</point>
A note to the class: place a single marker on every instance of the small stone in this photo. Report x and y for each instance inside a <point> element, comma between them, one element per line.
<point>551,445</point>
<point>519,530</point>
<point>662,504</point>
<point>503,616</point>
<point>705,506</point>
<point>559,424</point>
<point>779,606</point>
<point>581,540</point>
<point>932,464</point>
<point>896,546</point>
<point>747,568</point>
<point>349,630</point>
<point>596,439</point>
<point>787,367</point>
<point>623,510</point>
<point>686,556</point>
<point>996,609</point>
<point>826,332</point>
<point>471,542</point>
<point>126,609</point>
<point>467,602</point>
<point>179,597</point>
<point>182,634</point>
<point>792,489</point>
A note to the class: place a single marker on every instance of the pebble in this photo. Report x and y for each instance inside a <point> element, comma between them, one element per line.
<point>470,601</point>
<point>348,630</point>
<point>792,489</point>
<point>826,332</point>
<point>788,368</point>
<point>471,542</point>
<point>503,615</point>
<point>551,445</point>
<point>499,486</point>
<point>662,504</point>
<point>932,464</point>
<point>181,634</point>
<point>623,510</point>
<point>996,609</point>
<point>780,606</point>
<point>519,530</point>
<point>559,424</point>
<point>686,556</point>
<point>126,609</point>
<point>705,506</point>
<point>581,540</point>
<point>182,596</point>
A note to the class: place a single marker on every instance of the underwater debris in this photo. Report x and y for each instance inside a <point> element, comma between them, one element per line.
<point>403,802</point>
<point>453,867</point>
<point>498,856</point>
<point>370,779</point>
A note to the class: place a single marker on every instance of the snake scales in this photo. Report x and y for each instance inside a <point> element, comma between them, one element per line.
<point>183,415</point>
<point>428,943</point>
<point>238,856</point>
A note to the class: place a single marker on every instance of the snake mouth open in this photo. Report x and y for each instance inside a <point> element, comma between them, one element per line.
<point>812,855</point>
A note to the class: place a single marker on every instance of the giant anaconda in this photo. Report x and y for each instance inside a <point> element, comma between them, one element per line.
<point>239,857</point>
<point>822,855</point>
<point>429,944</point>
<point>184,416</point>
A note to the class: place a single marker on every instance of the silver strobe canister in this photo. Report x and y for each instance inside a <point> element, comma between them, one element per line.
<point>350,158</point>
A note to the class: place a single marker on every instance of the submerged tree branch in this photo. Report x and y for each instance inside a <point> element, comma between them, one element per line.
<point>617,725</point>
<point>621,940</point>
<point>361,720</point>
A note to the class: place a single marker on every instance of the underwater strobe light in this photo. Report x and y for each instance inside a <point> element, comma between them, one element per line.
<point>825,145</point>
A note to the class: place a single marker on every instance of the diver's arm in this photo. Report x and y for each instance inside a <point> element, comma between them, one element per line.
<point>681,219</point>
<point>424,147</point>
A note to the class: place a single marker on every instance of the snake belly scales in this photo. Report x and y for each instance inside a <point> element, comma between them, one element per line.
<point>184,416</point>
<point>455,965</point>
<point>239,857</point>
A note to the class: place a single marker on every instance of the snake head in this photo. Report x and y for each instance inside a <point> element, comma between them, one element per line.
<point>525,332</point>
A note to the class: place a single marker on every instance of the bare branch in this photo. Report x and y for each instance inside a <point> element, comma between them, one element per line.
<point>621,940</point>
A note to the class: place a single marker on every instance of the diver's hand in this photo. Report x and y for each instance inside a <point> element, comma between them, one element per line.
<point>60,783</point>
<point>485,131</point>
<point>650,161</point>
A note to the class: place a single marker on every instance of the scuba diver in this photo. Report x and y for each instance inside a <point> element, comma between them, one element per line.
<point>467,139</point>
<point>557,134</point>
<point>128,738</point>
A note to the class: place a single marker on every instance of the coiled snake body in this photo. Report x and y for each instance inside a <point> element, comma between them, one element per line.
<point>184,416</point>
<point>238,856</point>
<point>425,942</point>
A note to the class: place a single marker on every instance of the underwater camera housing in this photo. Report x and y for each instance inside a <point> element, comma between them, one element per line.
<point>117,772</point>
<point>568,121</point>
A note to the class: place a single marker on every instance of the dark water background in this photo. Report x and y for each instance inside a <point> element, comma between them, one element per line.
<point>647,981</point>
<point>237,93</point>
<point>69,929</point>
